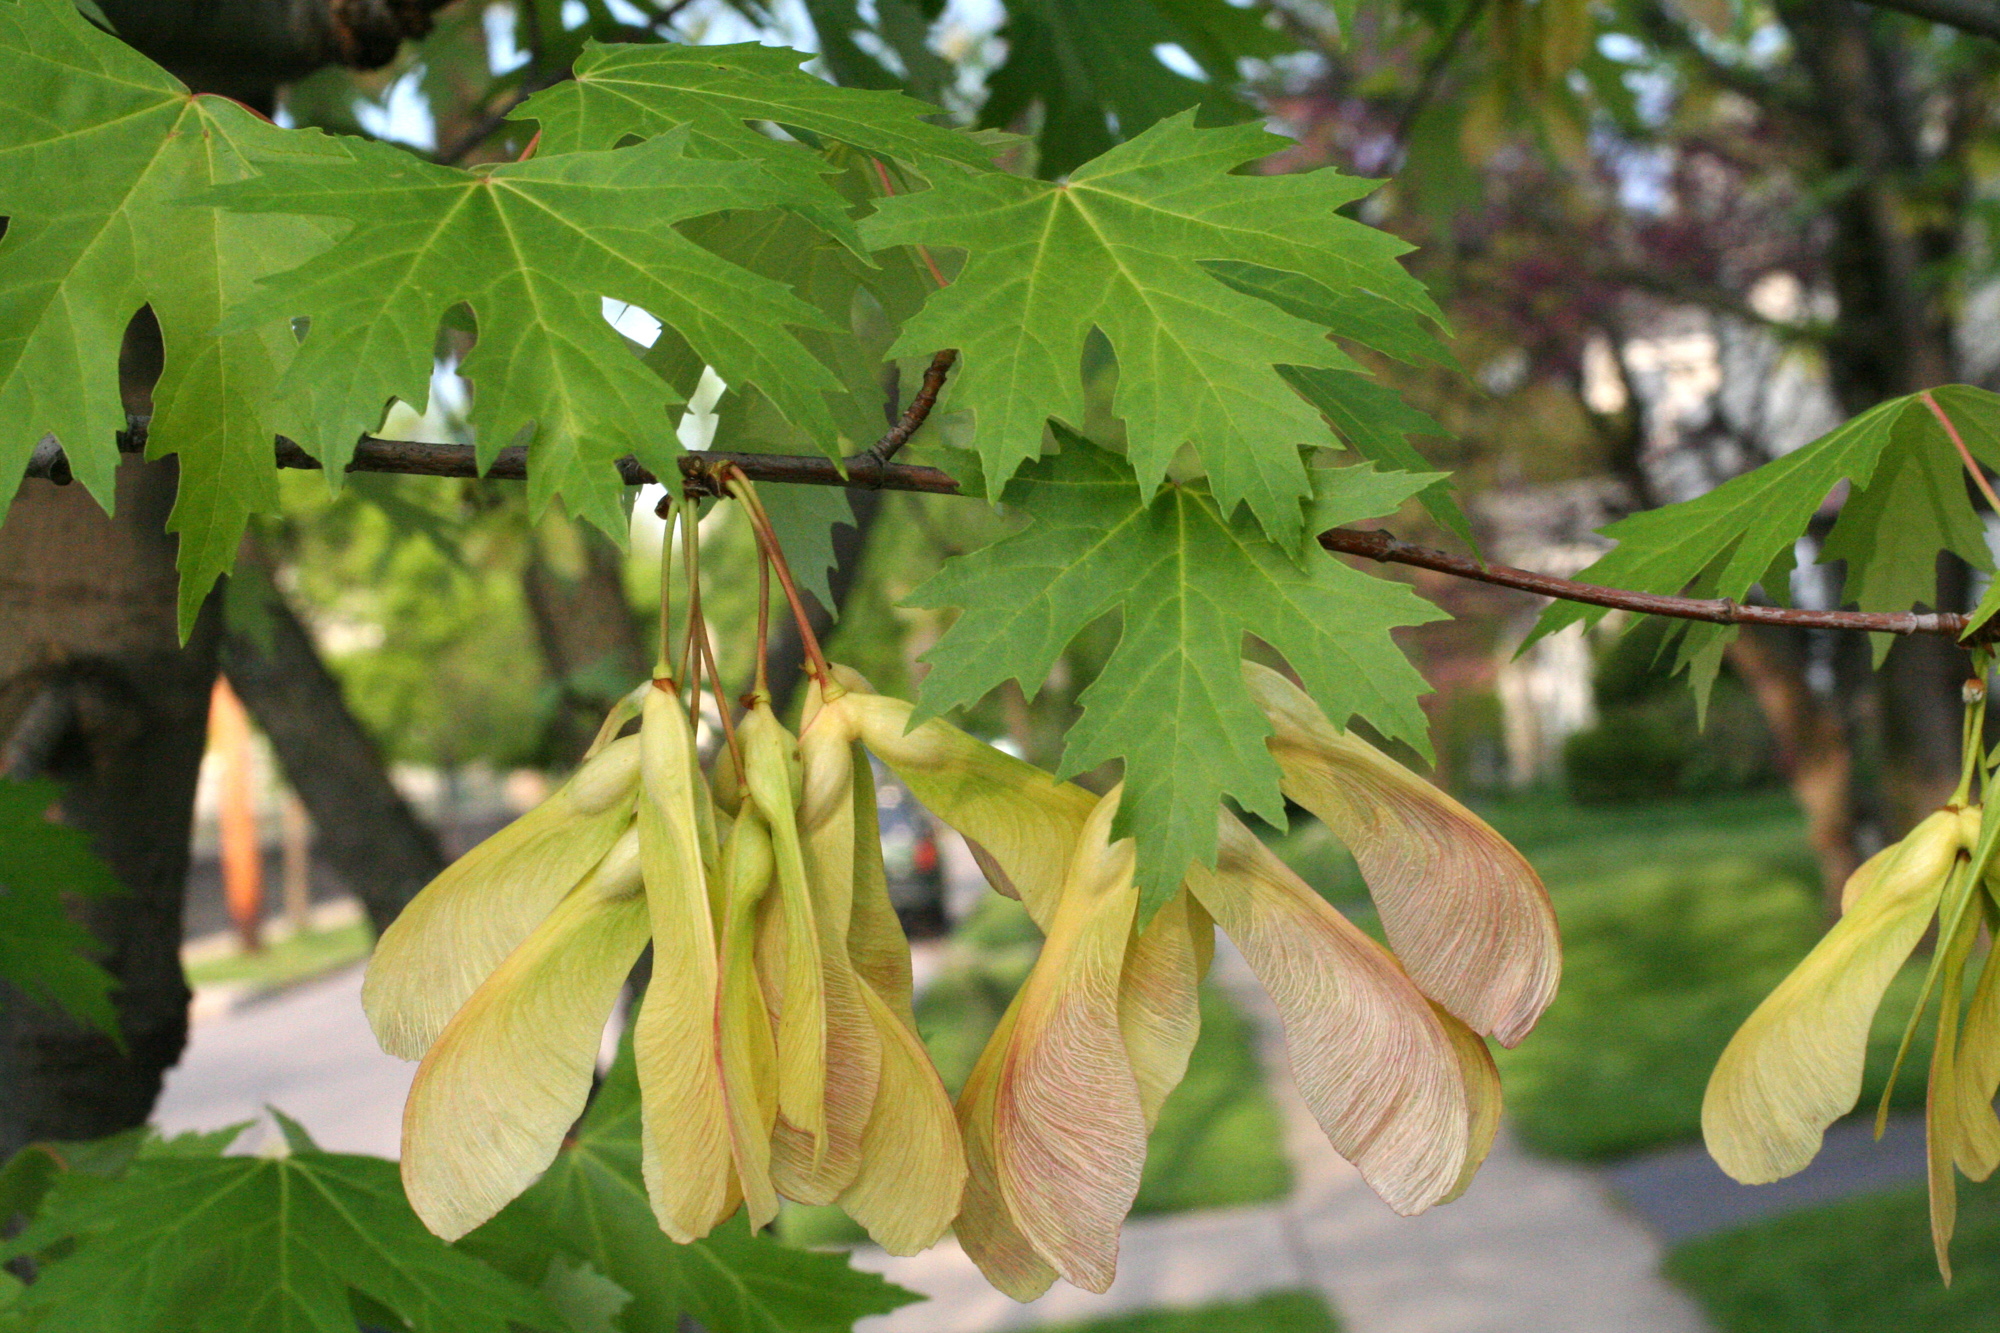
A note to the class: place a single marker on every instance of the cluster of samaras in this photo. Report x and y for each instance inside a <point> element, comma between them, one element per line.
<point>1796,1064</point>
<point>776,1049</point>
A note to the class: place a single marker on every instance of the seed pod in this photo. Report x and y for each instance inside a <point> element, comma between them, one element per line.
<point>1795,1065</point>
<point>1069,1127</point>
<point>746,1047</point>
<point>685,1143</point>
<point>910,1174</point>
<point>822,830</point>
<point>1464,912</point>
<point>454,933</point>
<point>511,1072</point>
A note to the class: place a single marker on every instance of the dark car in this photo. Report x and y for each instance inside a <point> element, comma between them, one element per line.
<point>912,858</point>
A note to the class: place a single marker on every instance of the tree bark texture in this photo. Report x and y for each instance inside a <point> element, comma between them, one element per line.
<point>362,825</point>
<point>87,611</point>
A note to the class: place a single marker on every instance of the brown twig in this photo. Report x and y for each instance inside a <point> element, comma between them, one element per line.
<point>913,416</point>
<point>701,473</point>
<point>1388,549</point>
<point>721,700</point>
<point>709,474</point>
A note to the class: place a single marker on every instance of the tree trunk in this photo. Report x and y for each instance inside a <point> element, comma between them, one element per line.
<point>87,615</point>
<point>585,628</point>
<point>1813,750</point>
<point>364,828</point>
<point>1897,220</point>
<point>1923,709</point>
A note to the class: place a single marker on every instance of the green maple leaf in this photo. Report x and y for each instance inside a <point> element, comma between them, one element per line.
<point>863,304</point>
<point>1090,64</point>
<point>1122,247</point>
<point>534,248</point>
<point>222,1244</point>
<point>1377,424</point>
<point>98,149</point>
<point>1191,581</point>
<point>592,1206</point>
<point>1907,503</point>
<point>42,951</point>
<point>717,94</point>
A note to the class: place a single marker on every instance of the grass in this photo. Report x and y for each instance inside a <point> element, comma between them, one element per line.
<point>1677,919</point>
<point>307,954</point>
<point>1219,1141</point>
<point>1279,1312</point>
<point>1860,1266</point>
<point>1661,967</point>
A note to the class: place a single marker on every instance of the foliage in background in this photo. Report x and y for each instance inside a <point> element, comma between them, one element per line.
<point>1648,742</point>
<point>416,597</point>
<point>1279,1312</point>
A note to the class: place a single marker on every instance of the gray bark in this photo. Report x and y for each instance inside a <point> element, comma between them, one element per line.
<point>87,611</point>
<point>362,825</point>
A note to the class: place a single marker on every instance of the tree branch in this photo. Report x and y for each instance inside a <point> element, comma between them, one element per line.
<point>703,473</point>
<point>1388,549</point>
<point>913,417</point>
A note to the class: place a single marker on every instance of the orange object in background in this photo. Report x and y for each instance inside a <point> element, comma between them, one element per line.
<point>242,853</point>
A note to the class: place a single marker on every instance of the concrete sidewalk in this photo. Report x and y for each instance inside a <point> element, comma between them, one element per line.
<point>306,1050</point>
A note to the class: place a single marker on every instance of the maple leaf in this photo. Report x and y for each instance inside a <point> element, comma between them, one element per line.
<point>98,146</point>
<point>207,1244</point>
<point>534,248</point>
<point>864,302</point>
<point>1121,247</point>
<point>591,1205</point>
<point>42,951</point>
<point>1191,581</point>
<point>1907,502</point>
<point>716,94</point>
<point>1092,65</point>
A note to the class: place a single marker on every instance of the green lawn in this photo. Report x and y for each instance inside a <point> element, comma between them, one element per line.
<point>1279,1312</point>
<point>1677,918</point>
<point>1859,1266</point>
<point>1219,1141</point>
<point>304,955</point>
